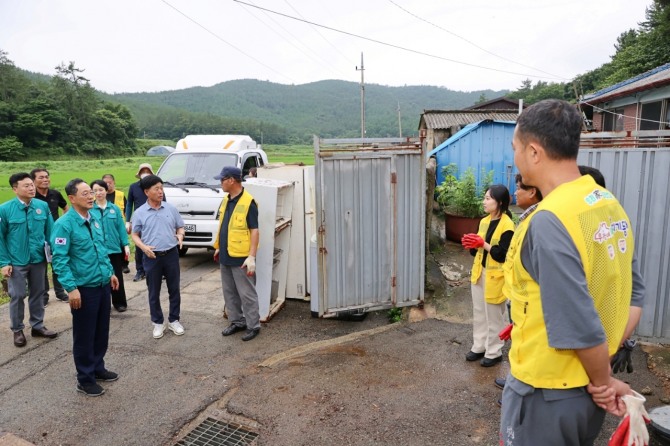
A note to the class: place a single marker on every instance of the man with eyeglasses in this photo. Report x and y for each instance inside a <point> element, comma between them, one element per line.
<point>55,200</point>
<point>25,228</point>
<point>80,259</point>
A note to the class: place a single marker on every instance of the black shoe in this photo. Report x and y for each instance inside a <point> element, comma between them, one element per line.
<point>90,389</point>
<point>488,362</point>
<point>106,376</point>
<point>499,382</point>
<point>46,303</point>
<point>232,329</point>
<point>43,332</point>
<point>126,270</point>
<point>19,339</point>
<point>472,356</point>
<point>250,334</point>
<point>65,298</point>
<point>138,277</point>
<point>120,308</point>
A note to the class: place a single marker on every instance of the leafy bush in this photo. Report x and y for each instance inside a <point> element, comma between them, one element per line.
<point>461,196</point>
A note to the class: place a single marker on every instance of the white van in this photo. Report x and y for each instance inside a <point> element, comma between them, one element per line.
<point>188,180</point>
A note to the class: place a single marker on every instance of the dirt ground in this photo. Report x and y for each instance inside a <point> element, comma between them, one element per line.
<point>403,385</point>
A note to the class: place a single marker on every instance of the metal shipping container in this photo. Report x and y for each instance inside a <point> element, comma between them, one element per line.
<point>370,202</point>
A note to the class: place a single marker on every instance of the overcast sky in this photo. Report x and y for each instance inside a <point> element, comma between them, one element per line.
<point>155,45</point>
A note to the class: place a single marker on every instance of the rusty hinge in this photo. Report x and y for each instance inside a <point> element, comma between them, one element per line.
<point>393,282</point>
<point>323,250</point>
<point>394,178</point>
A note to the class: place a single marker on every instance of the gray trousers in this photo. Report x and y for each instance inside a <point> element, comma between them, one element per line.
<point>548,417</point>
<point>239,294</point>
<point>33,276</point>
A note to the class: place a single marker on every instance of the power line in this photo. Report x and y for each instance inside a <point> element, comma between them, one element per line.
<point>226,42</point>
<point>318,32</point>
<point>474,44</point>
<point>316,58</point>
<point>422,53</point>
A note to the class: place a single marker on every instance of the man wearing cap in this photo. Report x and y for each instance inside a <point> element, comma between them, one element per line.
<point>236,245</point>
<point>137,198</point>
<point>158,230</point>
<point>25,228</point>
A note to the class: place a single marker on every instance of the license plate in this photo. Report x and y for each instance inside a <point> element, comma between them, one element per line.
<point>189,228</point>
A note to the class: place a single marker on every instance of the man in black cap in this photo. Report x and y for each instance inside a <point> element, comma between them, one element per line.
<point>236,246</point>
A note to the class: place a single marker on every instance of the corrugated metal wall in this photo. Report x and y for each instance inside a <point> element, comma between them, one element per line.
<point>640,179</point>
<point>370,220</point>
<point>485,148</point>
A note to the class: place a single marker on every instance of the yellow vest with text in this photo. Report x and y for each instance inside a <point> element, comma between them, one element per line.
<point>239,235</point>
<point>602,234</point>
<point>495,279</point>
<point>119,201</point>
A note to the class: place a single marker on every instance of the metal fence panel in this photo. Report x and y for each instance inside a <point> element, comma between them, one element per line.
<point>370,220</point>
<point>640,179</point>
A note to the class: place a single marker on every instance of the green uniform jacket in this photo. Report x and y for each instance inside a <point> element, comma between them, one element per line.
<point>113,227</point>
<point>22,234</point>
<point>79,255</point>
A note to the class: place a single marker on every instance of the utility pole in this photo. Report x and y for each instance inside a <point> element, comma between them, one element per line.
<point>362,70</point>
<point>399,122</point>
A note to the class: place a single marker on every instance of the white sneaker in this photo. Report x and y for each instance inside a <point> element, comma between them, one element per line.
<point>158,330</point>
<point>176,328</point>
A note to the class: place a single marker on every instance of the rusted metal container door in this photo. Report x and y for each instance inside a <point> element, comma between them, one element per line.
<point>359,196</point>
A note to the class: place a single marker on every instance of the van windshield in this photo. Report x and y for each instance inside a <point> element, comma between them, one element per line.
<point>195,167</point>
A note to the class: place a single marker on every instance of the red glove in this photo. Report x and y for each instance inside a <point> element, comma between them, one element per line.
<point>216,257</point>
<point>506,333</point>
<point>472,241</point>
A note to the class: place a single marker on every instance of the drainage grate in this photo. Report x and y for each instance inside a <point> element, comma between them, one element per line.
<point>212,432</point>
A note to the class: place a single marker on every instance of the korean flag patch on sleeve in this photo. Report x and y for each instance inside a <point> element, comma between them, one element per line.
<point>60,241</point>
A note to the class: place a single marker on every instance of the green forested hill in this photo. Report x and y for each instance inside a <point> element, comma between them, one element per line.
<point>296,112</point>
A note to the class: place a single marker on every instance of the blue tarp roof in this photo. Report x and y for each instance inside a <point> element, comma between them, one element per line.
<point>463,132</point>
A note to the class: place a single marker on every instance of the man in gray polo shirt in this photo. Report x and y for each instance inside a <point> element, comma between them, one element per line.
<point>158,230</point>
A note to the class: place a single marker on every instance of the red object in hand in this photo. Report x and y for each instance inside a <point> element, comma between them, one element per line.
<point>125,256</point>
<point>620,435</point>
<point>472,241</point>
<point>506,333</point>
<point>216,257</point>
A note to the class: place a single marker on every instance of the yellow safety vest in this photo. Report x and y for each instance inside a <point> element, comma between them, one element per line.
<point>494,270</point>
<point>119,199</point>
<point>239,235</point>
<point>602,234</point>
<point>514,246</point>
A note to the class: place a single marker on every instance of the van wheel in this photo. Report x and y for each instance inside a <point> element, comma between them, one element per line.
<point>182,251</point>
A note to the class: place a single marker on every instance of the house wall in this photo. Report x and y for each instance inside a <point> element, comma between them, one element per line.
<point>629,121</point>
<point>486,148</point>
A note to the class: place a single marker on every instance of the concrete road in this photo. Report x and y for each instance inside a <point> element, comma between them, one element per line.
<point>303,381</point>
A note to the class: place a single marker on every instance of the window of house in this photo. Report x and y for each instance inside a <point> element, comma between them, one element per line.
<point>613,120</point>
<point>666,124</point>
<point>651,115</point>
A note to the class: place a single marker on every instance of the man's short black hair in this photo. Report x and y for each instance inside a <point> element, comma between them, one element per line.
<point>150,181</point>
<point>72,185</point>
<point>34,172</point>
<point>555,124</point>
<point>99,183</point>
<point>14,179</point>
<point>595,173</point>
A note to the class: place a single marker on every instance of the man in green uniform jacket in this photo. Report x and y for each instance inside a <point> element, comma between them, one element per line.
<point>81,262</point>
<point>25,227</point>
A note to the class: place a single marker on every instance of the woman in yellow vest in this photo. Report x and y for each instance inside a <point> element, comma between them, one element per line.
<point>489,246</point>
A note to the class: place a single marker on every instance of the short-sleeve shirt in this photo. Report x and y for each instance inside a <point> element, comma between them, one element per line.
<point>252,223</point>
<point>54,199</point>
<point>158,226</point>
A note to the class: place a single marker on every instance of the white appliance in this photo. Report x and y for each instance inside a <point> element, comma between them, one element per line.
<point>275,202</point>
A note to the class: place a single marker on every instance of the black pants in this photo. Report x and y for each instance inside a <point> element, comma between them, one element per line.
<point>139,259</point>
<point>90,332</point>
<point>165,264</point>
<point>118,296</point>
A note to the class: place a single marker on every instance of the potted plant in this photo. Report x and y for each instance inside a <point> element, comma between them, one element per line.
<point>461,201</point>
